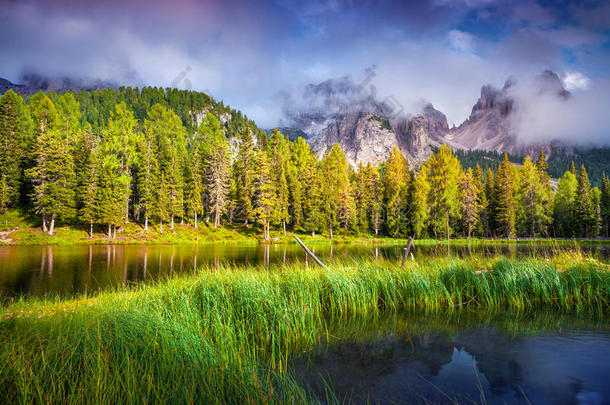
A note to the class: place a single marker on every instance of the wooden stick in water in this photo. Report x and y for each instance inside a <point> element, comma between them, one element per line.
<point>309,252</point>
<point>406,252</point>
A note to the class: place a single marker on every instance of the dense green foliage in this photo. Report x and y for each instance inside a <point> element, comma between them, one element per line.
<point>225,336</point>
<point>102,159</point>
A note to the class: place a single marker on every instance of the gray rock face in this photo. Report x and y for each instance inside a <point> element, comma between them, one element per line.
<point>338,112</point>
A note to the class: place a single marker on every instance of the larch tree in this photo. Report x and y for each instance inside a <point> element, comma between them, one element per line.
<point>336,193</point>
<point>420,208</point>
<point>194,190</point>
<point>396,181</point>
<point>533,199</point>
<point>470,204</point>
<point>15,127</point>
<point>564,206</point>
<point>586,210</point>
<point>244,176</point>
<point>444,177</point>
<point>505,199</point>
<point>111,192</point>
<point>280,153</point>
<point>119,139</point>
<point>483,220</point>
<point>217,170</point>
<point>53,179</point>
<point>264,196</point>
<point>147,169</point>
<point>86,156</point>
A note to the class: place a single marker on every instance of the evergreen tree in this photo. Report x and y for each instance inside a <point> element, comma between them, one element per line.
<point>396,181</point>
<point>605,206</point>
<point>420,207</point>
<point>265,196</point>
<point>111,193</point>
<point>194,192</point>
<point>244,176</point>
<point>336,193</point>
<point>483,220</point>
<point>534,197</point>
<point>217,167</point>
<point>147,169</point>
<point>279,157</point>
<point>564,207</point>
<point>586,210</point>
<point>53,178</point>
<point>163,202</point>
<point>469,197</point>
<point>491,211</point>
<point>505,200</point>
<point>14,134</point>
<point>445,173</point>
<point>119,139</point>
<point>86,168</point>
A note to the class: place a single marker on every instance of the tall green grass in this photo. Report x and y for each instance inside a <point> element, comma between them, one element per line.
<point>225,335</point>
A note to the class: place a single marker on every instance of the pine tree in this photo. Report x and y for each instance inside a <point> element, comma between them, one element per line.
<point>336,193</point>
<point>586,214</point>
<point>147,169</point>
<point>279,165</point>
<point>14,134</point>
<point>469,197</point>
<point>265,196</point>
<point>244,176</point>
<point>420,206</point>
<point>605,205</point>
<point>396,181</point>
<point>483,220</point>
<point>86,168</point>
<point>534,195</point>
<point>111,193</point>
<point>444,177</point>
<point>505,200</point>
<point>119,139</point>
<point>53,178</point>
<point>217,167</point>
<point>564,208</point>
<point>194,192</point>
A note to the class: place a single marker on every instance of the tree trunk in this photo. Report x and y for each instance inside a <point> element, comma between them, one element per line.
<point>114,237</point>
<point>331,231</point>
<point>146,223</point>
<point>109,230</point>
<point>161,226</point>
<point>469,231</point>
<point>182,220</point>
<point>52,224</point>
<point>172,226</point>
<point>284,225</point>
<point>44,223</point>
<point>91,230</point>
<point>216,218</point>
<point>447,225</point>
<point>195,219</point>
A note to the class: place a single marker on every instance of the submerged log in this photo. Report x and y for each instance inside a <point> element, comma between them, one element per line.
<point>309,252</point>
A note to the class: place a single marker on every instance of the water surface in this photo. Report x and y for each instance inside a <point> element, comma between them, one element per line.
<point>542,360</point>
<point>68,270</point>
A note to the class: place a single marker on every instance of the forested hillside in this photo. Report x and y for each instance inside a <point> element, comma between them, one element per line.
<point>100,159</point>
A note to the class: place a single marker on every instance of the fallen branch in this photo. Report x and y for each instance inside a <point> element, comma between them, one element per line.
<point>309,252</point>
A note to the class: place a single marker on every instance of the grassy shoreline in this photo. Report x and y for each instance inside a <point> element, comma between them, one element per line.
<point>18,230</point>
<point>225,336</point>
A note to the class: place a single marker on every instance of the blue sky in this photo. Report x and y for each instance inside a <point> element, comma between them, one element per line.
<point>253,53</point>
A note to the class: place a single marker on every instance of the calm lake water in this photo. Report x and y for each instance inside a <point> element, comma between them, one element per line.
<point>67,270</point>
<point>544,360</point>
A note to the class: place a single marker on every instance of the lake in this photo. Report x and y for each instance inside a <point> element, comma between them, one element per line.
<point>468,357</point>
<point>69,270</point>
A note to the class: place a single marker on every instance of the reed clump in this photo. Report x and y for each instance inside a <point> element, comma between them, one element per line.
<point>225,335</point>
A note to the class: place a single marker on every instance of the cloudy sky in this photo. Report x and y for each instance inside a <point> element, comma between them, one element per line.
<point>252,53</point>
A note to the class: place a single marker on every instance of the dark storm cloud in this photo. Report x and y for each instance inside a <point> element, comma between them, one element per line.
<point>249,53</point>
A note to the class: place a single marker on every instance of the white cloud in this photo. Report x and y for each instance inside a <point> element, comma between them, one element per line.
<point>575,81</point>
<point>461,41</point>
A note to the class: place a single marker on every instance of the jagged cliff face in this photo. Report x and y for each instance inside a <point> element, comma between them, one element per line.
<point>338,112</point>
